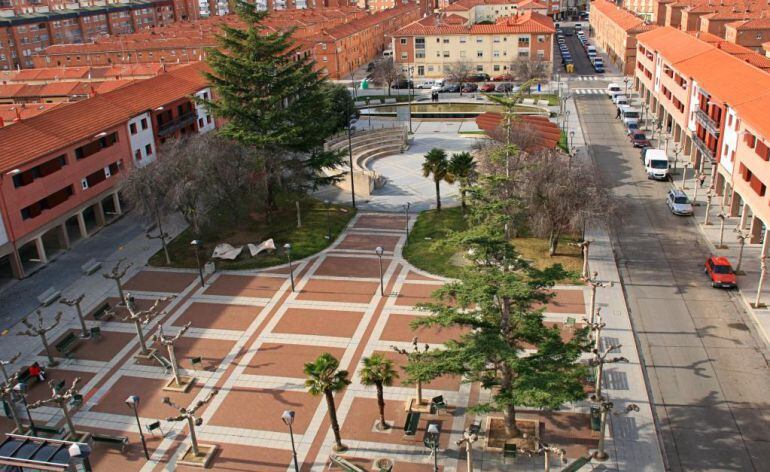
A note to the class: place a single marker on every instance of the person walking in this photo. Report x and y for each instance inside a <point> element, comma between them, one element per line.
<point>701,179</point>
<point>617,115</point>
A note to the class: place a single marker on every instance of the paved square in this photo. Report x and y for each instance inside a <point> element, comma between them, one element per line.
<point>339,266</point>
<point>41,390</point>
<point>318,322</point>
<point>368,242</point>
<point>150,391</point>
<point>102,349</point>
<point>380,222</point>
<point>159,281</point>
<point>270,403</point>
<point>286,360</point>
<point>235,457</point>
<point>218,316</point>
<point>332,291</point>
<point>245,286</point>
<point>398,328</point>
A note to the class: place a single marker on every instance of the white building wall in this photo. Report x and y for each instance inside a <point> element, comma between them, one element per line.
<point>729,142</point>
<point>205,120</point>
<point>142,142</point>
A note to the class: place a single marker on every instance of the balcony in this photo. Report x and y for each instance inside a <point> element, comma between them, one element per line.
<point>701,146</point>
<point>177,123</point>
<point>707,122</point>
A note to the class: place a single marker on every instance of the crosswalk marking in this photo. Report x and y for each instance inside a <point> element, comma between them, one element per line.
<point>588,91</point>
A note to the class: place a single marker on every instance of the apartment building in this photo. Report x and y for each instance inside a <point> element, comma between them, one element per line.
<point>477,11</point>
<point>25,31</point>
<point>717,114</point>
<point>614,30</point>
<point>60,171</point>
<point>431,46</point>
<point>426,6</point>
<point>749,33</point>
<point>643,8</point>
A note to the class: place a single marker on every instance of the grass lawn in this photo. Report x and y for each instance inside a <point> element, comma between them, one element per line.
<point>563,144</point>
<point>535,250</point>
<point>306,240</point>
<point>432,226</point>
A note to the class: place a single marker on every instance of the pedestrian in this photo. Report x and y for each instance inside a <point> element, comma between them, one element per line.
<point>617,115</point>
<point>701,179</point>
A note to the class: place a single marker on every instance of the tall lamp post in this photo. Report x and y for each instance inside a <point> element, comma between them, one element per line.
<point>328,205</point>
<point>409,70</point>
<point>288,419</point>
<point>133,403</point>
<point>406,213</point>
<point>196,244</point>
<point>431,441</point>
<point>287,248</point>
<point>351,128</point>
<point>21,391</point>
<point>378,250</point>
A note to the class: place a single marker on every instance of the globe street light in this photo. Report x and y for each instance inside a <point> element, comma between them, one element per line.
<point>287,248</point>
<point>133,403</point>
<point>378,250</point>
<point>196,244</point>
<point>288,418</point>
<point>21,390</point>
<point>432,441</point>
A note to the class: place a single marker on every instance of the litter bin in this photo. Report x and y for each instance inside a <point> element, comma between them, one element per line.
<point>596,418</point>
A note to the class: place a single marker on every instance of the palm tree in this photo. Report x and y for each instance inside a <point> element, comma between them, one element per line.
<point>324,378</point>
<point>436,164</point>
<point>463,168</point>
<point>378,371</point>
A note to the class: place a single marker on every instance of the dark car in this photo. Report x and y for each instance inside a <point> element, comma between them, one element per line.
<point>450,88</point>
<point>487,88</point>
<point>478,77</point>
<point>640,140</point>
<point>504,87</point>
<point>468,88</point>
<point>403,84</point>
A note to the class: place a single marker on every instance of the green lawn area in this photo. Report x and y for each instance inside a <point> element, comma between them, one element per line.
<point>563,144</point>
<point>306,240</point>
<point>432,226</point>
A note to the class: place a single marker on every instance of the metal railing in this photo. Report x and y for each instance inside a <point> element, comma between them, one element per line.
<point>707,122</point>
<point>701,146</point>
<point>177,123</point>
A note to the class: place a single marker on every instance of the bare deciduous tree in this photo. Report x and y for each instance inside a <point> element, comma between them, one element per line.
<point>147,191</point>
<point>38,328</point>
<point>558,196</point>
<point>386,72</point>
<point>460,72</point>
<point>526,69</point>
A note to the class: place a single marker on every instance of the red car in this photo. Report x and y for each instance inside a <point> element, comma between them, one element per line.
<point>487,88</point>
<point>502,78</point>
<point>720,272</point>
<point>639,140</point>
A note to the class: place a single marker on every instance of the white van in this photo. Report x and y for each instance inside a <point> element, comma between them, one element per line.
<point>614,89</point>
<point>426,84</point>
<point>656,164</point>
<point>630,114</point>
<point>438,84</point>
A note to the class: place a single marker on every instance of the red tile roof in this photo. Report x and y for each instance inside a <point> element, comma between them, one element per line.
<point>622,17</point>
<point>8,112</point>
<point>526,22</point>
<point>548,132</point>
<point>48,132</point>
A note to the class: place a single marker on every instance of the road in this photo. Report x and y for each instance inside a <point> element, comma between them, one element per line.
<point>707,372</point>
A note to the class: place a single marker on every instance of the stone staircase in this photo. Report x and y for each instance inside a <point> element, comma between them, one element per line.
<point>367,146</point>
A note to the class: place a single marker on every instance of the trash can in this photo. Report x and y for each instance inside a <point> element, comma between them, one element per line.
<point>596,418</point>
<point>364,84</point>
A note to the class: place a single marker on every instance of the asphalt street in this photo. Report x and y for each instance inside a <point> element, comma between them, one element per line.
<point>707,371</point>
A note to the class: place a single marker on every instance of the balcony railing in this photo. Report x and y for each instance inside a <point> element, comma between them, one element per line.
<point>707,122</point>
<point>701,146</point>
<point>177,123</point>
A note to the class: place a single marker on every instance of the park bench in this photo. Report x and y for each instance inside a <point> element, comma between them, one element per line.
<point>49,296</point>
<point>91,267</point>
<point>96,332</point>
<point>76,401</point>
<point>342,463</point>
<point>528,101</point>
<point>437,404</point>
<point>360,103</point>
<point>410,425</point>
<point>542,103</point>
<point>390,100</point>
<point>68,344</point>
<point>59,386</point>
<point>155,426</point>
<point>509,451</point>
<point>26,378</point>
<point>578,463</point>
<point>49,431</point>
<point>119,441</point>
<point>103,312</point>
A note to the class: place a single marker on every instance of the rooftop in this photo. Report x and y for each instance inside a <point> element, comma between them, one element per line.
<point>525,22</point>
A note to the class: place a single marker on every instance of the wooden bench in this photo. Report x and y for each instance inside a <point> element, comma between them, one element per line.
<point>410,425</point>
<point>342,463</point>
<point>91,267</point>
<point>68,344</point>
<point>49,296</point>
<point>103,312</point>
<point>119,441</point>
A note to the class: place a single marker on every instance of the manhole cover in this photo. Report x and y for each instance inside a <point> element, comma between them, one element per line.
<point>738,326</point>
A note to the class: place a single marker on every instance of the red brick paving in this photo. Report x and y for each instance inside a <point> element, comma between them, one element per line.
<point>380,222</point>
<point>159,281</point>
<point>319,322</point>
<point>368,242</point>
<point>259,286</point>
<point>398,328</point>
<point>41,390</point>
<point>416,276</point>
<point>412,294</point>
<point>103,349</point>
<point>286,360</point>
<point>141,304</point>
<point>334,291</point>
<point>235,457</point>
<point>106,457</point>
<point>219,316</point>
<point>445,382</point>
<point>567,301</point>
<point>212,351</point>
<point>368,464</point>
<point>570,431</point>
<point>270,403</point>
<point>339,266</point>
<point>150,391</point>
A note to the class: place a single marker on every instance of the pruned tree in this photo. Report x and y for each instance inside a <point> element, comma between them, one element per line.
<point>168,341</point>
<point>146,189</point>
<point>463,167</point>
<point>436,166</point>
<point>460,72</point>
<point>530,70</point>
<point>417,369</point>
<point>6,362</point>
<point>188,414</point>
<point>79,311</point>
<point>386,72</point>
<point>142,317</point>
<point>40,329</point>
<point>8,396</point>
<point>118,271</point>
<point>559,196</point>
<point>61,399</point>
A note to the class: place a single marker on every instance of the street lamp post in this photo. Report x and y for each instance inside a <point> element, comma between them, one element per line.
<point>684,173</point>
<point>432,442</point>
<point>762,273</point>
<point>378,250</point>
<point>287,248</point>
<point>709,196</point>
<point>571,139</point>
<point>328,205</point>
<point>196,244</point>
<point>722,217</point>
<point>351,128</point>
<point>21,391</point>
<point>133,403</point>
<point>468,439</point>
<point>409,70</point>
<point>742,237</point>
<point>406,213</point>
<point>288,419</point>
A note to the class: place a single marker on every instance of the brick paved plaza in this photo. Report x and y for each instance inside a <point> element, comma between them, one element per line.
<point>254,335</point>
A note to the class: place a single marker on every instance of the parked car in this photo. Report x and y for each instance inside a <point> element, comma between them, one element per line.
<point>598,68</point>
<point>632,127</point>
<point>450,88</point>
<point>403,84</point>
<point>502,78</point>
<point>639,139</point>
<point>468,88</point>
<point>478,77</point>
<point>487,88</point>
<point>720,271</point>
<point>504,87</point>
<point>678,203</point>
<point>568,32</point>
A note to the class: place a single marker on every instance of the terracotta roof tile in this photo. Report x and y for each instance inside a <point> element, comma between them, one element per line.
<point>527,22</point>
<point>675,45</point>
<point>623,18</point>
<point>8,112</point>
<point>548,132</point>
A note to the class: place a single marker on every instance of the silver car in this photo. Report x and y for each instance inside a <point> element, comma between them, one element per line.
<point>678,202</point>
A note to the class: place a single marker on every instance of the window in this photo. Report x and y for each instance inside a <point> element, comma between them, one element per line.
<point>479,53</point>
<point>463,40</point>
<point>541,39</point>
<point>446,53</point>
<point>496,39</point>
<point>148,150</point>
<point>541,54</point>
<point>445,40</point>
<point>523,41</point>
<point>523,53</point>
<point>479,68</point>
<point>208,119</point>
<point>495,53</point>
<point>419,43</point>
<point>324,59</point>
<point>496,67</point>
<point>138,154</point>
<point>420,70</point>
<point>143,123</point>
<point>462,53</point>
<point>132,128</point>
<point>479,40</point>
<point>95,146</point>
<point>419,54</point>
<point>403,41</point>
<point>404,56</point>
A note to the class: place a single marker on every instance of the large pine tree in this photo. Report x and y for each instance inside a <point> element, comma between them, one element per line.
<point>273,100</point>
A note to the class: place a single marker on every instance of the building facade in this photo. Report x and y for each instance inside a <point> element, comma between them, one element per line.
<point>614,29</point>
<point>60,171</point>
<point>430,50</point>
